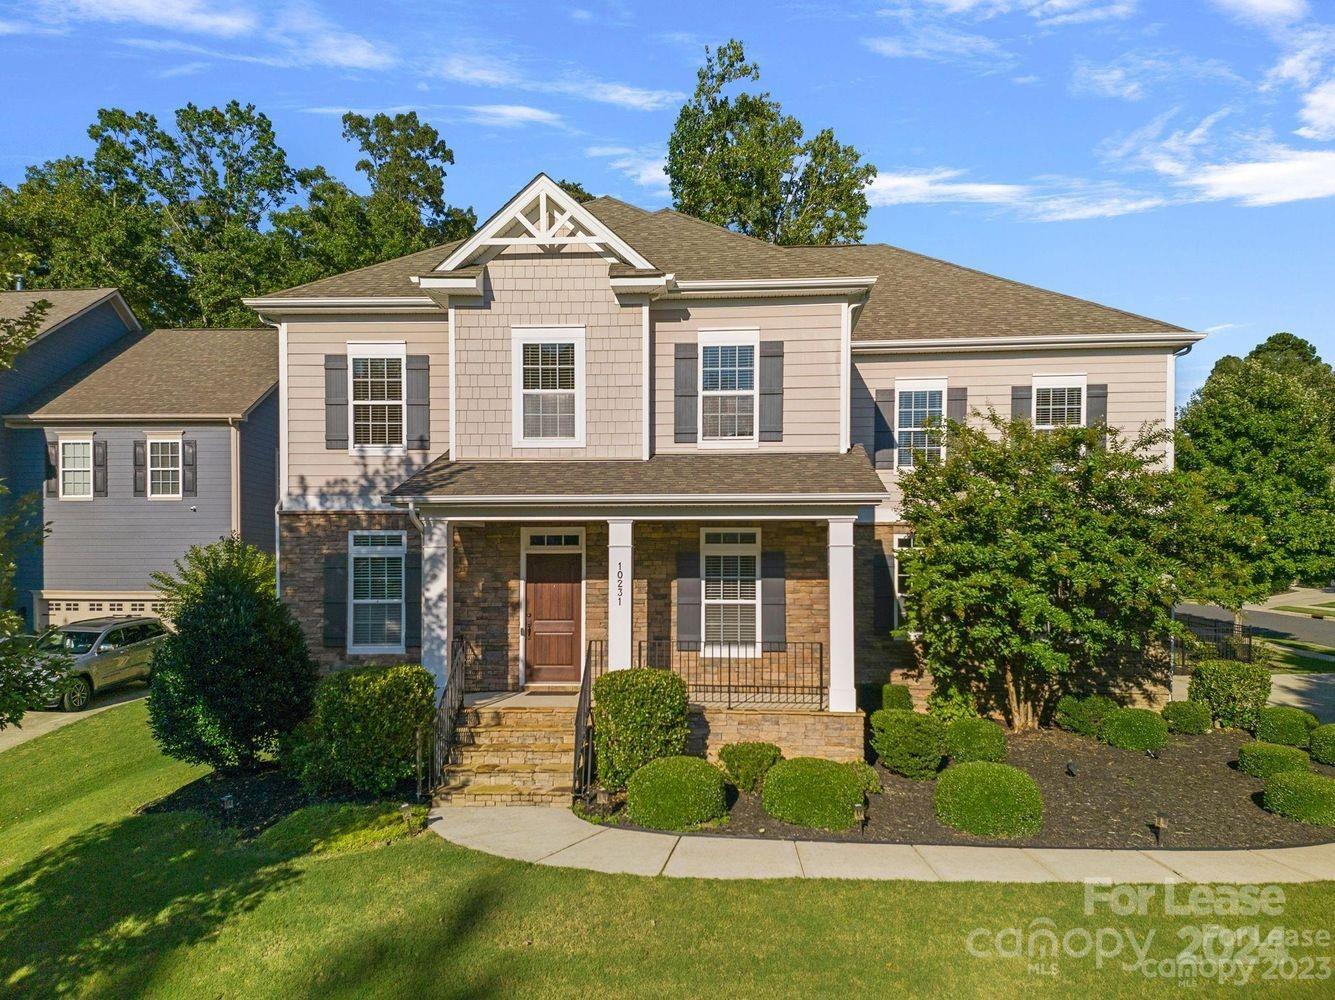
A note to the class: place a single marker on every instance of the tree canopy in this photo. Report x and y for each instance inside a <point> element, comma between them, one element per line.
<point>738,161</point>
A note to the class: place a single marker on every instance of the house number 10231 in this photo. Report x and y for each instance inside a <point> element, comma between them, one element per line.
<point>621,584</point>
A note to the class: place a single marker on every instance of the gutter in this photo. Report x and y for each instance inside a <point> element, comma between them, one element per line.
<point>801,499</point>
<point>1072,341</point>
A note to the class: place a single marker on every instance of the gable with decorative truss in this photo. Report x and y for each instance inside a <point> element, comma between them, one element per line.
<point>542,216</point>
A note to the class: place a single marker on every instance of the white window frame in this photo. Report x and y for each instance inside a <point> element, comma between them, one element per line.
<point>148,467</point>
<point>708,649</point>
<point>401,551</point>
<point>903,385</point>
<point>548,334</point>
<point>895,573</point>
<point>60,467</point>
<point>728,338</point>
<point>1080,382</point>
<point>369,350</point>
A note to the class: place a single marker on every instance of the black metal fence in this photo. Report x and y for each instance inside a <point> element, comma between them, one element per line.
<point>783,675</point>
<point>1212,639</point>
<point>595,663</point>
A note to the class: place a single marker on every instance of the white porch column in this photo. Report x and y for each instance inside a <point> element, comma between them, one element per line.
<point>437,597</point>
<point>620,563</point>
<point>843,696</point>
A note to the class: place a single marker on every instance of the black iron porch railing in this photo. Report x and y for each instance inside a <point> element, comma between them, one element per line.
<point>1212,638</point>
<point>781,675</point>
<point>595,663</point>
<point>436,743</point>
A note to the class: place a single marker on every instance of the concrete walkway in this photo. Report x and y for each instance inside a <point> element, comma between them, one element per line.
<point>1314,692</point>
<point>37,723</point>
<point>557,837</point>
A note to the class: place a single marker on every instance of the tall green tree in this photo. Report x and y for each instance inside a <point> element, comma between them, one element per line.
<point>576,190</point>
<point>1258,441</point>
<point>1291,355</point>
<point>1038,556</point>
<point>735,159</point>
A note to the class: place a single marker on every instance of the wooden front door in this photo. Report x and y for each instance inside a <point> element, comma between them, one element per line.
<point>553,625</point>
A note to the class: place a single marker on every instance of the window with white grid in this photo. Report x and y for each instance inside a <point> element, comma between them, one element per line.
<point>76,469</point>
<point>918,424</point>
<point>375,586</point>
<point>1059,406</point>
<point>164,468</point>
<point>901,543</point>
<point>731,590</point>
<point>549,387</point>
<point>727,387</point>
<point>377,402</point>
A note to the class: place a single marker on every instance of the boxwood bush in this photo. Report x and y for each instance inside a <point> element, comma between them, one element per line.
<point>1191,718</point>
<point>867,776</point>
<point>908,743</point>
<point>1083,715</point>
<point>676,793</point>
<point>1134,729</point>
<point>808,791</point>
<point>896,696</point>
<point>362,732</point>
<point>1236,692</point>
<point>1301,795</point>
<point>1261,760</point>
<point>1323,743</point>
<point>1287,726</point>
<point>949,703</point>
<point>975,739</point>
<point>989,799</point>
<point>639,715</point>
<point>746,764</point>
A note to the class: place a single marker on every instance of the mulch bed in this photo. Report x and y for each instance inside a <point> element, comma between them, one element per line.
<point>1110,803</point>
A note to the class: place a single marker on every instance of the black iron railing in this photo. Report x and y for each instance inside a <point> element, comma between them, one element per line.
<point>1214,639</point>
<point>782,675</point>
<point>595,662</point>
<point>435,745</point>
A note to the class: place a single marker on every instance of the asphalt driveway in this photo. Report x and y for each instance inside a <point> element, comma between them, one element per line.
<point>37,723</point>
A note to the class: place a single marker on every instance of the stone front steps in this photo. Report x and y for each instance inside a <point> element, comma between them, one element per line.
<point>506,755</point>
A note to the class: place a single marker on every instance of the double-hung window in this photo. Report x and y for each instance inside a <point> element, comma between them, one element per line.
<point>728,386</point>
<point>730,560</point>
<point>164,468</point>
<point>919,408</point>
<point>1059,401</point>
<point>76,469</point>
<point>549,387</point>
<point>375,373</point>
<point>375,591</point>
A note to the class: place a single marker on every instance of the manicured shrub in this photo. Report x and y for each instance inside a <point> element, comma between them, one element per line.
<point>975,739</point>
<point>808,791</point>
<point>950,703</point>
<point>897,696</point>
<point>1301,795</point>
<point>1134,729</point>
<point>639,715</point>
<point>1236,692</point>
<point>233,677</point>
<point>676,793</point>
<point>867,776</point>
<point>746,764</point>
<point>1191,718</point>
<point>1287,726</point>
<point>989,799</point>
<point>362,733</point>
<point>1323,743</point>
<point>1083,716</point>
<point>908,743</point>
<point>1261,760</point>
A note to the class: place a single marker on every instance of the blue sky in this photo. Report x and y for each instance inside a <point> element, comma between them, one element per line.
<point>1171,157</point>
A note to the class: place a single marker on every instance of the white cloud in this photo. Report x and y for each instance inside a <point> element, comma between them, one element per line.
<point>198,16</point>
<point>1046,199</point>
<point>184,69</point>
<point>1131,75</point>
<point>1318,112</point>
<point>580,14</point>
<point>939,184</point>
<point>1113,80</point>
<point>1050,12</point>
<point>1270,11</point>
<point>940,45</point>
<point>489,71</point>
<point>644,166</point>
<point>512,115</point>
<point>314,40</point>
<point>1284,175</point>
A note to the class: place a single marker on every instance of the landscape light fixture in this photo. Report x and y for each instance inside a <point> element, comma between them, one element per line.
<point>1070,768</point>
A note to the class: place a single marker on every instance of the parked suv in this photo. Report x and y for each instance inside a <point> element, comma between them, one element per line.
<point>103,652</point>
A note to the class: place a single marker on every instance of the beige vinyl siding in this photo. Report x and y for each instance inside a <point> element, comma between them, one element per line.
<point>810,331</point>
<point>334,478</point>
<point>524,288</point>
<point>1137,380</point>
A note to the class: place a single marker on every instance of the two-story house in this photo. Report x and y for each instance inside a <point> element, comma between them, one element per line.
<point>594,436</point>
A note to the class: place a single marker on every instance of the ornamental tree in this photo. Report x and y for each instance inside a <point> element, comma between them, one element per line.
<point>1038,555</point>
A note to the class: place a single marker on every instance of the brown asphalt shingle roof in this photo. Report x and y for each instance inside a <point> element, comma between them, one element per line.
<point>167,373</point>
<point>65,303</point>
<point>915,297</point>
<point>685,476</point>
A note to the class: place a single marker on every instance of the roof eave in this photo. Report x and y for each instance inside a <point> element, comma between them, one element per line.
<point>1088,341</point>
<point>278,306</point>
<point>844,286</point>
<point>656,499</point>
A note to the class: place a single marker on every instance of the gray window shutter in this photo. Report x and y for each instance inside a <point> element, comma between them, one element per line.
<point>773,605</point>
<point>99,468</point>
<point>688,601</point>
<point>685,391</point>
<point>336,401</point>
<point>885,429</point>
<point>336,599</point>
<point>883,590</point>
<point>189,476</point>
<point>957,405</point>
<point>52,469</point>
<point>771,390</point>
<point>412,600</point>
<point>1022,402</point>
<point>1096,408</point>
<point>418,396</point>
<point>141,468</point>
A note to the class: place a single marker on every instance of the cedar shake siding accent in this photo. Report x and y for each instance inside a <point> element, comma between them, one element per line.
<point>526,289</point>
<point>810,334</point>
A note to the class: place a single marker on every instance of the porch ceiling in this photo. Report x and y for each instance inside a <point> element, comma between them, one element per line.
<point>700,478</point>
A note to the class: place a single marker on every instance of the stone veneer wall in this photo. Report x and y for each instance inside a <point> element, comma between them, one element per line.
<point>797,732</point>
<point>880,658</point>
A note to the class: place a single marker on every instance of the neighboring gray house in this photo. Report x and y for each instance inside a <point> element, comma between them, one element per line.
<point>162,441</point>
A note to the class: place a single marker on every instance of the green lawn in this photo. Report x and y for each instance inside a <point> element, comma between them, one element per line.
<point>1317,611</point>
<point>1290,656</point>
<point>98,900</point>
